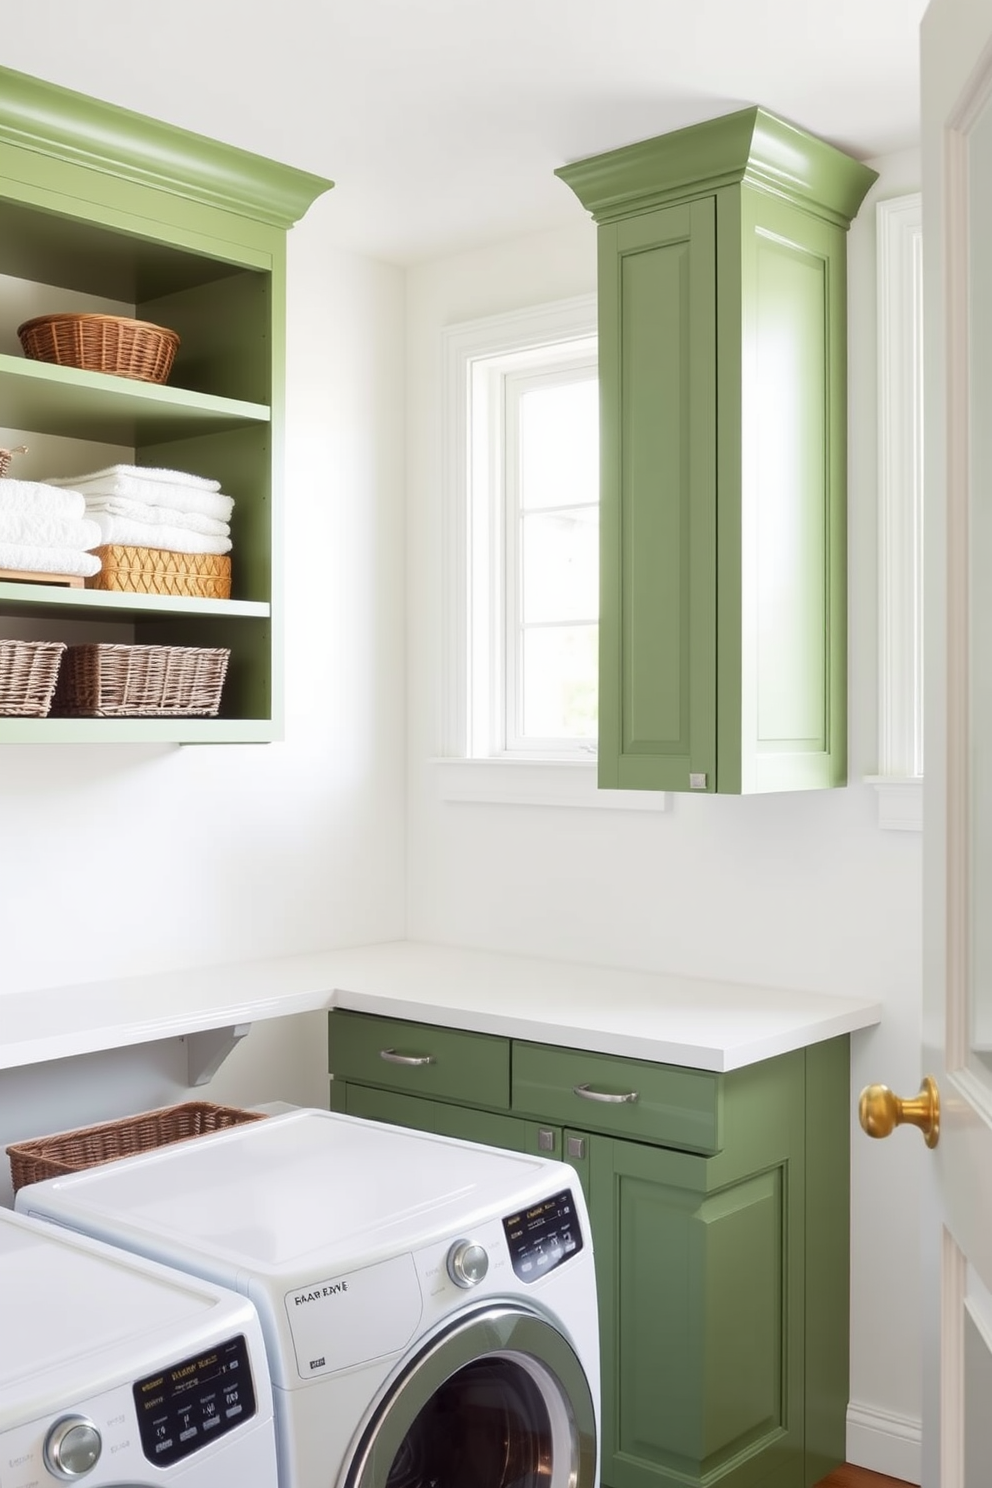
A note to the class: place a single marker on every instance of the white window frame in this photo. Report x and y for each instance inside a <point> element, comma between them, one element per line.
<point>465,771</point>
<point>899,782</point>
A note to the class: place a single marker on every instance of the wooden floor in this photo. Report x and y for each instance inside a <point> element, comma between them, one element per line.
<point>860,1477</point>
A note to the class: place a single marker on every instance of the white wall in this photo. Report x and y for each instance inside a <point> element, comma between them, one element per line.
<point>122,859</point>
<point>803,891</point>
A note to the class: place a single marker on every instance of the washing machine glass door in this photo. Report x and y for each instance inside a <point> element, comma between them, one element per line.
<point>498,1400</point>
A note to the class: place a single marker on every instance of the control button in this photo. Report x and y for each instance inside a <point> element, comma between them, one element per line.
<point>467,1263</point>
<point>72,1447</point>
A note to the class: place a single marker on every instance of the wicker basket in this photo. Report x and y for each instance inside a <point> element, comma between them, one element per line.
<point>28,674</point>
<point>73,1151</point>
<point>101,343</point>
<point>107,681</point>
<point>6,455</point>
<point>134,570</point>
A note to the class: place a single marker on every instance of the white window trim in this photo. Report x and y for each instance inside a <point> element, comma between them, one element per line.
<point>499,780</point>
<point>899,782</point>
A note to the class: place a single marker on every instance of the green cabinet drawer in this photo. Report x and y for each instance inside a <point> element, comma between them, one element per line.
<point>420,1059</point>
<point>657,1103</point>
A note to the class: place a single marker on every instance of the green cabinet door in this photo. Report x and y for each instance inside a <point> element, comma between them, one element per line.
<point>657,708</point>
<point>491,1128</point>
<point>701,1334</point>
<point>722,326</point>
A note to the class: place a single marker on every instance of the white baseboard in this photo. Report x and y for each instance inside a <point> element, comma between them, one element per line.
<point>883,1442</point>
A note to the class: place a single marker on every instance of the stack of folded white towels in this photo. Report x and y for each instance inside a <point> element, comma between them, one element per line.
<point>43,530</point>
<point>139,507</point>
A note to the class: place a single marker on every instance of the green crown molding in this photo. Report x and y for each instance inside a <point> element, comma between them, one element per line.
<point>750,146</point>
<point>40,116</point>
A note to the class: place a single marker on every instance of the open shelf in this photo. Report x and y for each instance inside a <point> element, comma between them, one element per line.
<point>187,233</point>
<point>27,600</point>
<point>45,399</point>
<point>137,731</point>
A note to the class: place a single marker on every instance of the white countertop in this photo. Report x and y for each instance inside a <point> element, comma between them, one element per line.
<point>643,1015</point>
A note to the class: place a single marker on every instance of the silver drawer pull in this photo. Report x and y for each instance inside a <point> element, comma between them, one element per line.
<point>587,1093</point>
<point>391,1057</point>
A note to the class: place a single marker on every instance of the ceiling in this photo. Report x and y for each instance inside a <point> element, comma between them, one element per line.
<point>442,121</point>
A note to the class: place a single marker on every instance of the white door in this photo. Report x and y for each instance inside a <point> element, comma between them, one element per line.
<point>956,57</point>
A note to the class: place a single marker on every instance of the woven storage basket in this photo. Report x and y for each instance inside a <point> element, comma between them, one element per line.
<point>101,343</point>
<point>73,1151</point>
<point>28,674</point>
<point>158,571</point>
<point>107,681</point>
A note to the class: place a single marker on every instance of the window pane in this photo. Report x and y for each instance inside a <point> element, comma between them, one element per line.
<point>559,444</point>
<point>559,682</point>
<point>560,560</point>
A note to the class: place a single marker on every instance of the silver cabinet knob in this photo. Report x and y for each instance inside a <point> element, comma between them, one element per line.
<point>72,1447</point>
<point>467,1263</point>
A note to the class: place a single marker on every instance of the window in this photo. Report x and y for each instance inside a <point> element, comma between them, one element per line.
<point>534,553</point>
<point>900,536</point>
<point>522,555</point>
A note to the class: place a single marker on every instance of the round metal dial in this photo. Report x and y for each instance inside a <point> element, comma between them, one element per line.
<point>467,1263</point>
<point>72,1447</point>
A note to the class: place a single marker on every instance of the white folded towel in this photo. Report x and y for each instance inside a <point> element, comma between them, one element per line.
<point>177,498</point>
<point>145,535</point>
<point>140,511</point>
<point>49,532</point>
<point>186,493</point>
<point>147,473</point>
<point>37,499</point>
<point>49,560</point>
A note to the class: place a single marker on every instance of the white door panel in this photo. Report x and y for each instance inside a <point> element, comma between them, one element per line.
<point>956,55</point>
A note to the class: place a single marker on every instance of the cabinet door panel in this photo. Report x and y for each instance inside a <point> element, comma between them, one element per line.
<point>708,1272</point>
<point>793,505</point>
<point>488,1127</point>
<point>658,613</point>
<point>382,1105</point>
<point>496,1130</point>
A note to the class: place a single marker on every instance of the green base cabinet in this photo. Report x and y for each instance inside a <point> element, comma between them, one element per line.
<point>722,363</point>
<point>719,1212</point>
<point>102,209</point>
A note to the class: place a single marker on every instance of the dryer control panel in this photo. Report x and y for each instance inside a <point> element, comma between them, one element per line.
<point>182,1407</point>
<point>543,1235</point>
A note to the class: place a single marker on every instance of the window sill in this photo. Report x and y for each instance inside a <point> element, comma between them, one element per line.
<point>519,782</point>
<point>900,801</point>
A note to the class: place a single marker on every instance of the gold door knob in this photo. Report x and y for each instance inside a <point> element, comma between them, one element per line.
<point>880,1112</point>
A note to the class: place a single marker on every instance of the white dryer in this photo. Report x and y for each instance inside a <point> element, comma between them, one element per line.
<point>115,1370</point>
<point>428,1305</point>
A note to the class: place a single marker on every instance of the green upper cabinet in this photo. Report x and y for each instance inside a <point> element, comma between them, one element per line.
<point>103,209</point>
<point>722,346</point>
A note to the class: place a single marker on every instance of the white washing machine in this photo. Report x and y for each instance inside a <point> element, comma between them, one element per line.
<point>115,1370</point>
<point>428,1305</point>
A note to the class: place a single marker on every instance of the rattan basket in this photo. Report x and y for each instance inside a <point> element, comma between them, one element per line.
<point>108,681</point>
<point>134,570</point>
<point>101,343</point>
<point>28,674</point>
<point>89,1146</point>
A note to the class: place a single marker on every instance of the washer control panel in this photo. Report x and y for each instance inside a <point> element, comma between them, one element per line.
<point>542,1236</point>
<point>184,1406</point>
